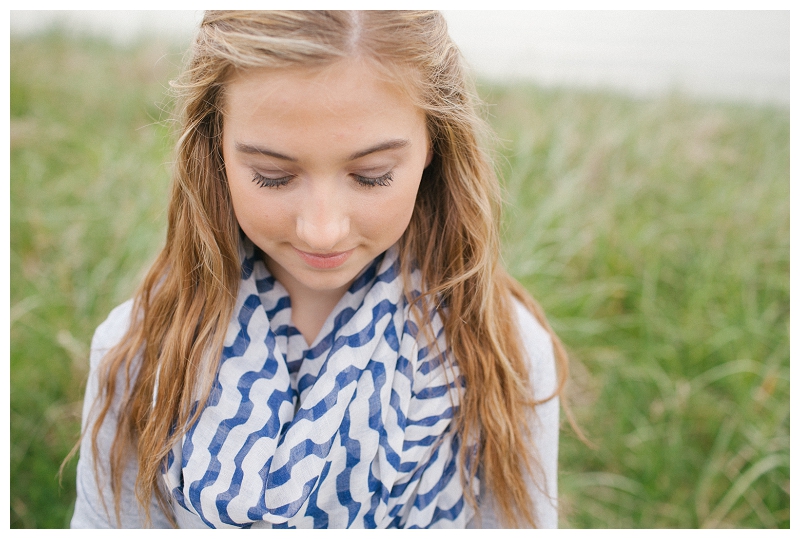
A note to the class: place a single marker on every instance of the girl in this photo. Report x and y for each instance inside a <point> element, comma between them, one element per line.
<point>327,338</point>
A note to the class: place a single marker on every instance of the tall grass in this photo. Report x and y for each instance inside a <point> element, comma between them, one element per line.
<point>89,176</point>
<point>655,234</point>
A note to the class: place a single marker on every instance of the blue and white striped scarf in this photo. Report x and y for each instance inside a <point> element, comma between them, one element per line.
<point>355,431</point>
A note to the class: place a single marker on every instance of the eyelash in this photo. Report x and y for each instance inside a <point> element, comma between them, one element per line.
<point>274,183</point>
<point>382,181</point>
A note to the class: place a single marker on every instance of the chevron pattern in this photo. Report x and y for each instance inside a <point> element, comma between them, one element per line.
<point>355,431</point>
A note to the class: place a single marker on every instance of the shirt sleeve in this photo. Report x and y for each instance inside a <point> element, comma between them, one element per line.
<point>544,427</point>
<point>94,506</point>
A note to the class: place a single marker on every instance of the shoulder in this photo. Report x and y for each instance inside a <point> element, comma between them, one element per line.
<point>538,346</point>
<point>543,424</point>
<point>109,333</point>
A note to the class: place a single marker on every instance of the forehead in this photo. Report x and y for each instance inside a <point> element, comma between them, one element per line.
<point>348,100</point>
<point>345,80</point>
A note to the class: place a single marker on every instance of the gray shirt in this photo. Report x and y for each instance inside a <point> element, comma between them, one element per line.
<point>94,507</point>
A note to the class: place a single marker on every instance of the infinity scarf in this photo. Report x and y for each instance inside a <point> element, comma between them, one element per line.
<point>355,431</point>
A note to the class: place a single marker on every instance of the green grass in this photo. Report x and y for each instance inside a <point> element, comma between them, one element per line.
<point>654,232</point>
<point>89,176</point>
<point>656,235</point>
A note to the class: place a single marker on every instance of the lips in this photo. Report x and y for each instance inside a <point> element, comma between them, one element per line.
<point>324,260</point>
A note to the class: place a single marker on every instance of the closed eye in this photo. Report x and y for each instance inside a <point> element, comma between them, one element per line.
<point>263,181</point>
<point>367,181</point>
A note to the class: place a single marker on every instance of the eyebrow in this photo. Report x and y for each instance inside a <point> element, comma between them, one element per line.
<point>383,146</point>
<point>393,144</point>
<point>247,148</point>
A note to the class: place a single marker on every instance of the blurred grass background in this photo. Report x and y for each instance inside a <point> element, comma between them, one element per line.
<point>655,233</point>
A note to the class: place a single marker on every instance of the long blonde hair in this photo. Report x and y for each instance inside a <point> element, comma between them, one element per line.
<point>183,306</point>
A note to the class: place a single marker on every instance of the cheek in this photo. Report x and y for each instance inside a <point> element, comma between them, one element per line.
<point>389,218</point>
<point>245,207</point>
<point>260,216</point>
<point>265,226</point>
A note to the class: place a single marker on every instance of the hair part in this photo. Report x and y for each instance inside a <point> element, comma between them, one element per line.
<point>168,357</point>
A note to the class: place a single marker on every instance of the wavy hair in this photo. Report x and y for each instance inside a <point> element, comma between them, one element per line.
<point>167,359</point>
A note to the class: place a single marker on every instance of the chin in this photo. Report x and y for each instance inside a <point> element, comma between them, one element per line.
<point>327,280</point>
<point>329,286</point>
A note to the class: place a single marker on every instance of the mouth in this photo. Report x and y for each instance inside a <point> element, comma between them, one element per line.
<point>324,260</point>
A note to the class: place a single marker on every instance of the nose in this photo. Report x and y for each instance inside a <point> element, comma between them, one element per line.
<point>322,222</point>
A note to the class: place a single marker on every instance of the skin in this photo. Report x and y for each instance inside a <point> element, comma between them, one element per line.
<point>323,167</point>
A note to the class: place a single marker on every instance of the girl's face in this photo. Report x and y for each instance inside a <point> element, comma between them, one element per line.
<point>323,167</point>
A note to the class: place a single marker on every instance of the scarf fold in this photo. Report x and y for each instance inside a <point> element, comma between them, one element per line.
<point>355,431</point>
